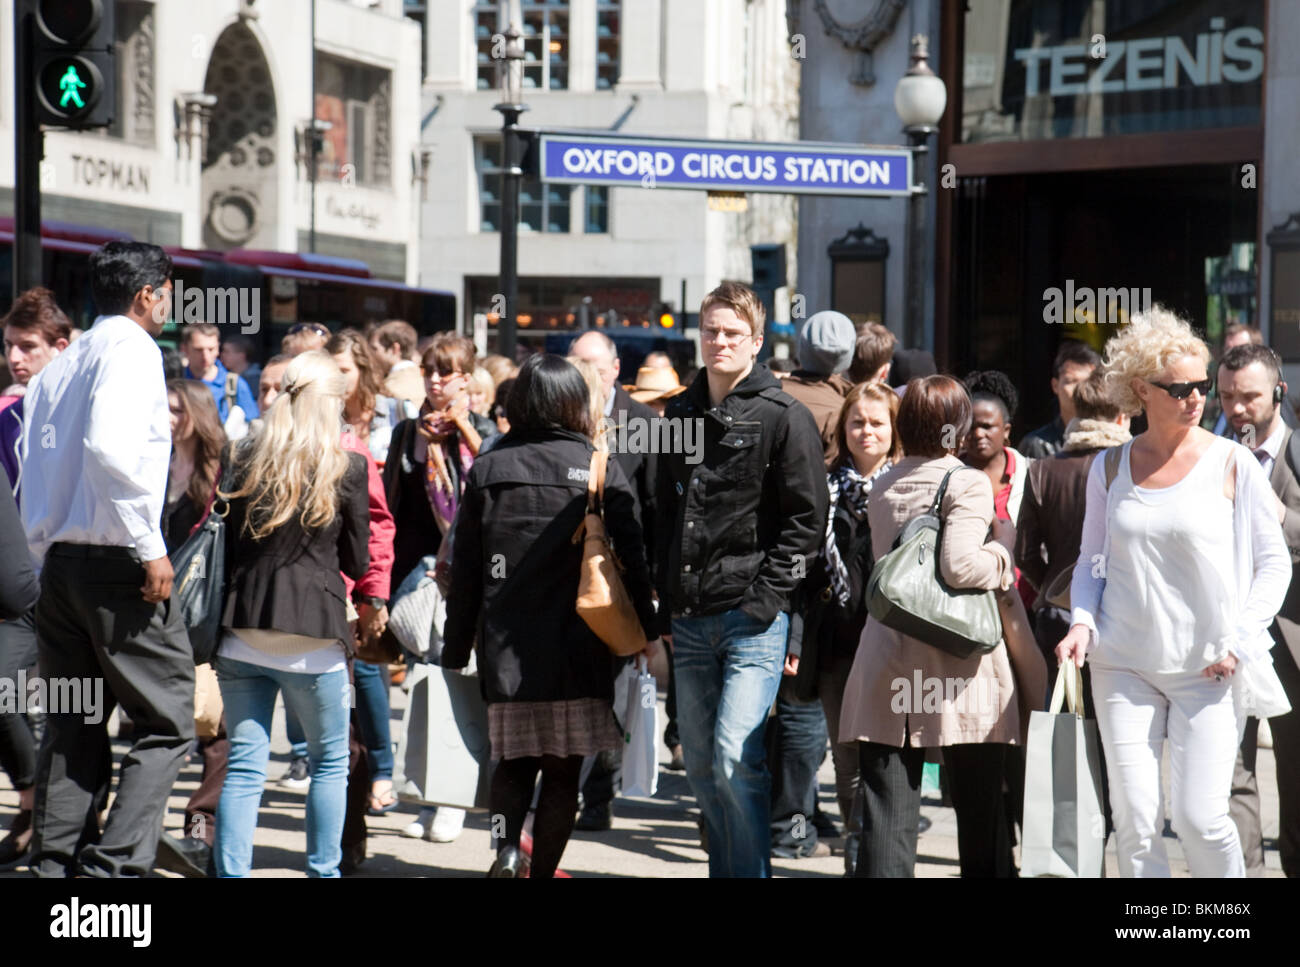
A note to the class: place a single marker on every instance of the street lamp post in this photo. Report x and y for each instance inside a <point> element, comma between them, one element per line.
<point>919,99</point>
<point>511,83</point>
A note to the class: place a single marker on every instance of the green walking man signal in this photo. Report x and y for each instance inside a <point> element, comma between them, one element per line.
<point>69,85</point>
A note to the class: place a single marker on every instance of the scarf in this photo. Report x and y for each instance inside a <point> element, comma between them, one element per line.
<point>1093,435</point>
<point>453,443</point>
<point>849,487</point>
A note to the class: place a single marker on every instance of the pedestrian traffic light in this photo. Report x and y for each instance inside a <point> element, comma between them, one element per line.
<point>74,72</point>
<point>663,314</point>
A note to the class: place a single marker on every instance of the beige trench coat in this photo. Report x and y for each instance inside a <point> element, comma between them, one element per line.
<point>902,691</point>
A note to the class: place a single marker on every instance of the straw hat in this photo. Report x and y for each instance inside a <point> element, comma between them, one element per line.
<point>654,383</point>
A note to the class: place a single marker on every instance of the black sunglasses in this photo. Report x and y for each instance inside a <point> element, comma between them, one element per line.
<point>315,327</point>
<point>1180,391</point>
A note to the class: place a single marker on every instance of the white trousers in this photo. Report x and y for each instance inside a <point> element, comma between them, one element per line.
<point>1136,712</point>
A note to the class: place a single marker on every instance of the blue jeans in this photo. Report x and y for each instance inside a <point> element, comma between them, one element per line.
<point>372,718</point>
<point>728,669</point>
<point>321,705</point>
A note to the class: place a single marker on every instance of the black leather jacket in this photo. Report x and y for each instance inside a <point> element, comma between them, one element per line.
<point>742,517</point>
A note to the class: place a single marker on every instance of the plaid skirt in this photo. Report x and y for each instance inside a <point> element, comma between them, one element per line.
<point>580,726</point>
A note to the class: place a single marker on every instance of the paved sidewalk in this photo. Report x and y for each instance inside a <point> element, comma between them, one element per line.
<point>651,837</point>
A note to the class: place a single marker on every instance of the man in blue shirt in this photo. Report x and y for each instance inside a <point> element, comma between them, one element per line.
<point>200,345</point>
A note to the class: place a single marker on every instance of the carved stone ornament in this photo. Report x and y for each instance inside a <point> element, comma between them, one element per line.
<point>864,36</point>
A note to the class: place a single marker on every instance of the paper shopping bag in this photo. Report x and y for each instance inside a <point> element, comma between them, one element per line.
<point>1064,826</point>
<point>640,731</point>
<point>443,758</point>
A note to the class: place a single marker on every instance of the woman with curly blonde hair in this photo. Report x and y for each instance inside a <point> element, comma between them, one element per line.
<point>298,515</point>
<point>1182,567</point>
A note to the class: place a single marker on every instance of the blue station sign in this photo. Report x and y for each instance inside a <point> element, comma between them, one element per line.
<point>800,168</point>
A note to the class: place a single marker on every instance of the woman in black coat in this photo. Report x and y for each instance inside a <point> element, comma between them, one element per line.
<point>834,600</point>
<point>514,584</point>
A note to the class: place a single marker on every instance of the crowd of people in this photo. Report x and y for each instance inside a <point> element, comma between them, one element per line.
<point>357,463</point>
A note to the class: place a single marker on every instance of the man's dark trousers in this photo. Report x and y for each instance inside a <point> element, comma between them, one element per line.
<point>93,623</point>
<point>797,739</point>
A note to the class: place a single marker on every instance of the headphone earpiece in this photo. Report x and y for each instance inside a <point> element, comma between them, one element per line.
<point>1277,393</point>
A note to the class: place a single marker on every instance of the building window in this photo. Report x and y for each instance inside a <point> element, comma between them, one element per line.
<point>607,38</point>
<point>356,101</point>
<point>418,11</point>
<point>597,220</point>
<point>133,26</point>
<point>542,208</point>
<point>546,45</point>
<point>486,23</point>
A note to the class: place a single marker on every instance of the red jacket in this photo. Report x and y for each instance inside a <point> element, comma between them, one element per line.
<point>375,583</point>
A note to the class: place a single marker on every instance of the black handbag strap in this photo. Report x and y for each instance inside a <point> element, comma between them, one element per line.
<point>943,488</point>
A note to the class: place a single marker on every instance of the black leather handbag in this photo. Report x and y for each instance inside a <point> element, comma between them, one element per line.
<point>907,593</point>
<point>200,582</point>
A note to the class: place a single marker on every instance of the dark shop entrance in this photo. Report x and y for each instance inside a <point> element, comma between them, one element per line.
<point>1042,257</point>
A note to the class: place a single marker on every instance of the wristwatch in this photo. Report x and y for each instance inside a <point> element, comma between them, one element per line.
<point>371,600</point>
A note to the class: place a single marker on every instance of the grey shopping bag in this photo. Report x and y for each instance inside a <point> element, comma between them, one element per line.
<point>443,758</point>
<point>1064,828</point>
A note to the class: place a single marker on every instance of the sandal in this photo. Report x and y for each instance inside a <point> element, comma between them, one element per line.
<point>379,806</point>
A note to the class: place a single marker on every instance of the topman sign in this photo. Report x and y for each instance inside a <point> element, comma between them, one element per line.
<point>810,169</point>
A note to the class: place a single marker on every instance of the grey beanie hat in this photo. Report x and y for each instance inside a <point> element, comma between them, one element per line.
<point>826,343</point>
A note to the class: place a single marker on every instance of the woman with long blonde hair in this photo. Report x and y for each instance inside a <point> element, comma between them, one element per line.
<point>297,516</point>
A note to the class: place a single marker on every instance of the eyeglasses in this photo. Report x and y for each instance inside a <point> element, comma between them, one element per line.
<point>437,376</point>
<point>713,334</point>
<point>315,327</point>
<point>1180,391</point>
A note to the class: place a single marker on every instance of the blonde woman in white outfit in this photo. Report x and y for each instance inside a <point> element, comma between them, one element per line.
<point>1182,567</point>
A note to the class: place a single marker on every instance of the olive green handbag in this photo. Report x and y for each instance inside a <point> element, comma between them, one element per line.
<point>906,592</point>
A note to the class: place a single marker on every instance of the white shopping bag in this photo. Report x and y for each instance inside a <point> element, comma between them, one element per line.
<point>1064,828</point>
<point>640,731</point>
<point>443,758</point>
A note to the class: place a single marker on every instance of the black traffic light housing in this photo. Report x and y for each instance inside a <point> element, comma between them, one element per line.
<point>74,72</point>
<point>768,264</point>
<point>663,316</point>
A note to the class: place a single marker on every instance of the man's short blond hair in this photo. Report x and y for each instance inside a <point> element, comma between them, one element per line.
<point>741,300</point>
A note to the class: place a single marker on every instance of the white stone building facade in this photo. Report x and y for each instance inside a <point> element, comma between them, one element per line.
<point>149,175</point>
<point>676,68</point>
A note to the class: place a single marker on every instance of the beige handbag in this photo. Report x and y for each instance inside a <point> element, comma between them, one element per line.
<point>207,702</point>
<point>603,601</point>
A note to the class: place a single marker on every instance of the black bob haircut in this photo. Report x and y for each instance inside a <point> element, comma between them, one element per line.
<point>549,394</point>
<point>993,386</point>
<point>118,270</point>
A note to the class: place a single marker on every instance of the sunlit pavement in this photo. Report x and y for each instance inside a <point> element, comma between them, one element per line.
<point>650,837</point>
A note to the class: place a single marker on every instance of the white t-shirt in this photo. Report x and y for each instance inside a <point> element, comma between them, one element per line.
<point>330,658</point>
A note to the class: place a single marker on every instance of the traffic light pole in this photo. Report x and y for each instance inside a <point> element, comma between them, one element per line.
<point>29,148</point>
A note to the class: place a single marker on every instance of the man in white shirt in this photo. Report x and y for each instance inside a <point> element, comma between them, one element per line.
<point>1254,403</point>
<point>96,447</point>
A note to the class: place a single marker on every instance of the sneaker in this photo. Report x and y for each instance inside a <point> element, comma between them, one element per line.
<point>297,776</point>
<point>419,828</point>
<point>447,825</point>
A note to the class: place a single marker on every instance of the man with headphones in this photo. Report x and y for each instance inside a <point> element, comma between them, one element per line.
<point>1254,396</point>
